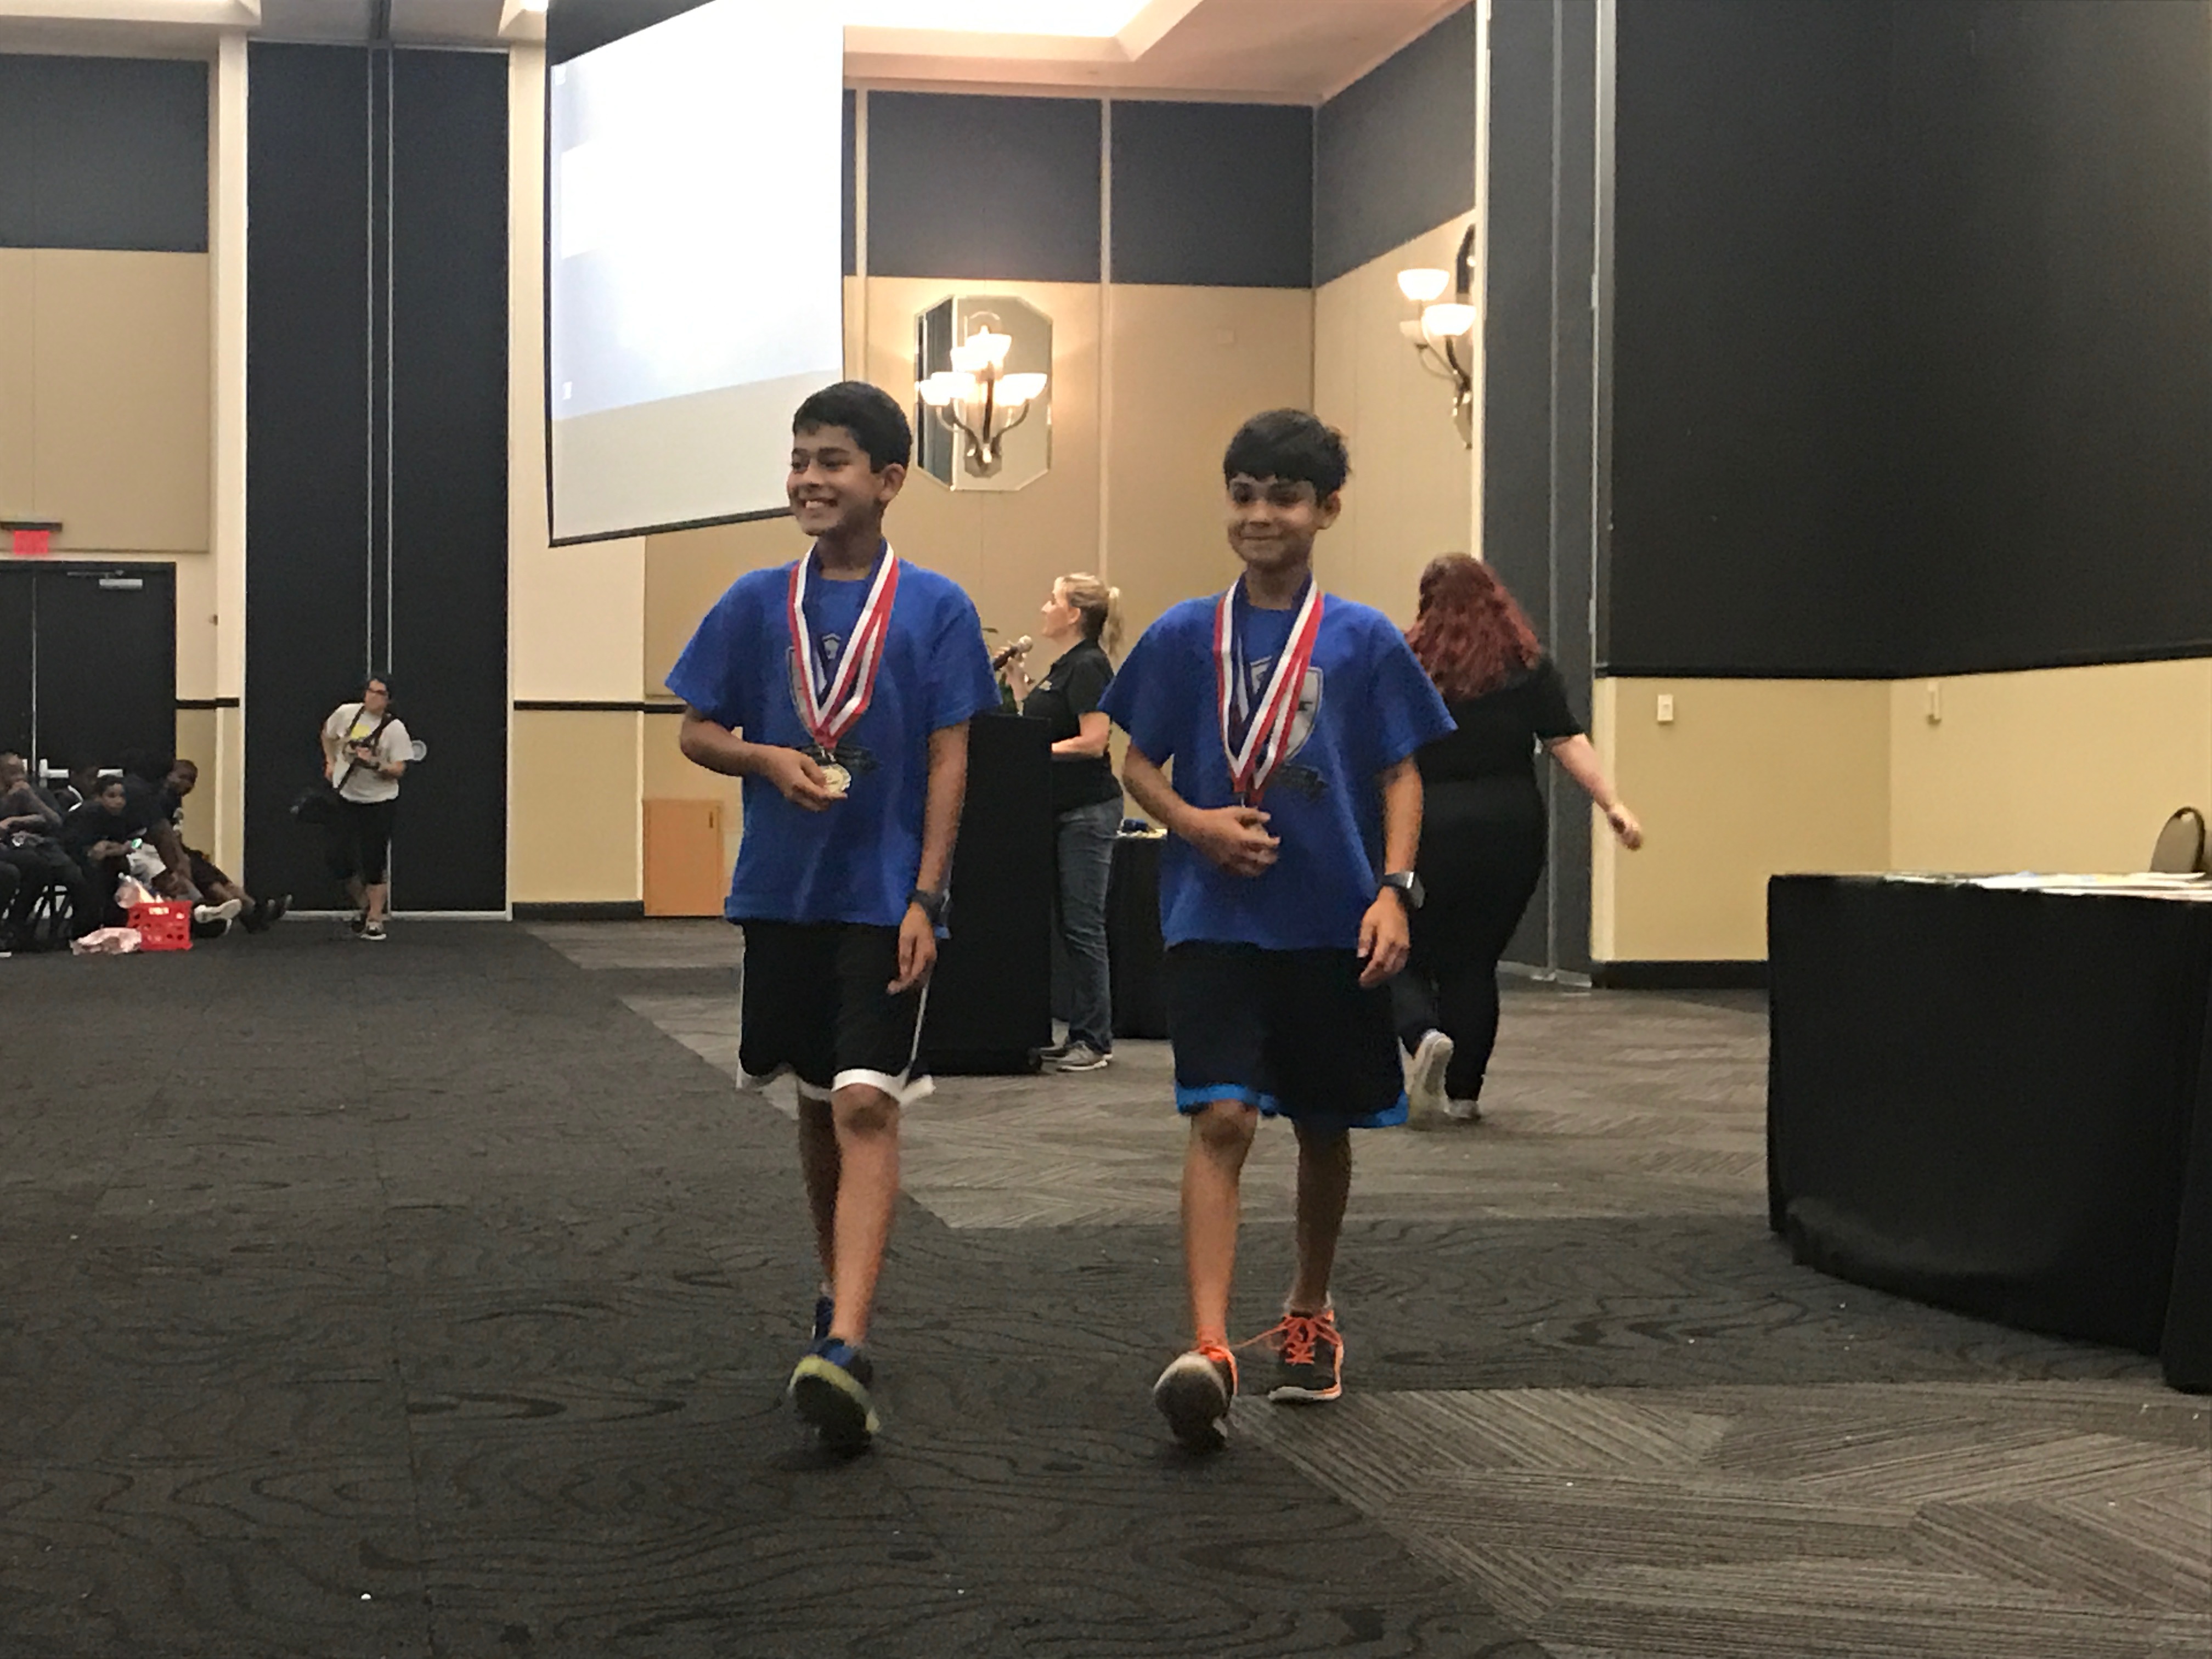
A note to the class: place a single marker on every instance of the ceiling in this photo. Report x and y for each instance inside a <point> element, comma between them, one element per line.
<point>1290,50</point>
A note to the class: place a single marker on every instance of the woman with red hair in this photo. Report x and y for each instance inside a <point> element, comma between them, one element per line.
<point>1484,827</point>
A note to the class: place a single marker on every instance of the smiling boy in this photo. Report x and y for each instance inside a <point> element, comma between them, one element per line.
<point>1291,718</point>
<point>839,688</point>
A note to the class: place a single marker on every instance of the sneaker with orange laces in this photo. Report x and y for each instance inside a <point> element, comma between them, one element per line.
<point>1194,1393</point>
<point>1308,1353</point>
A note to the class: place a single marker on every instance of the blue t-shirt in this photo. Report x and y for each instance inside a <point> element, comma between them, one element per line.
<point>857,861</point>
<point>1366,704</point>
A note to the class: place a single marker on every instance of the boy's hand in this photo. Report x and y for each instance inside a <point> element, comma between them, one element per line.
<point>1384,938</point>
<point>1234,837</point>
<point>917,947</point>
<point>797,779</point>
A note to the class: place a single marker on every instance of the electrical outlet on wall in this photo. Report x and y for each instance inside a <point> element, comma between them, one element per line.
<point>1666,708</point>
<point>1934,702</point>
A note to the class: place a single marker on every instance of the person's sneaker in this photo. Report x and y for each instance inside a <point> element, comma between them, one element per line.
<point>1309,1356</point>
<point>1082,1057</point>
<point>1425,1080</point>
<point>1057,1052</point>
<point>1194,1394</point>
<point>825,1313</point>
<point>829,1390</point>
<point>357,922</point>
<point>1463,1111</point>
<point>372,930</point>
<point>225,911</point>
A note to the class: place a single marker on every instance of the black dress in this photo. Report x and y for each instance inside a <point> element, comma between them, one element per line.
<point>1483,834</point>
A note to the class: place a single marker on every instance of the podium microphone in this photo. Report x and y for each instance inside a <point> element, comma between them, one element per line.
<point>1011,652</point>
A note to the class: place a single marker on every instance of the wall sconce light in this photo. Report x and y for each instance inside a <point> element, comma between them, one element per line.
<point>982,370</point>
<point>978,400</point>
<point>1441,336</point>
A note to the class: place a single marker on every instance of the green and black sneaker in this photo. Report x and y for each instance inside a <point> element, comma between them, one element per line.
<point>829,1390</point>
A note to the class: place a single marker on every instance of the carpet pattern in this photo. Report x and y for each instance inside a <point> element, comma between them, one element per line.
<point>435,1298</point>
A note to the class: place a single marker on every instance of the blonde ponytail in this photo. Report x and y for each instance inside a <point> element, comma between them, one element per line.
<point>1100,606</point>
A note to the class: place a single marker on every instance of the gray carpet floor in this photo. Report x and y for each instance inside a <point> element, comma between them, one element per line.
<point>435,1298</point>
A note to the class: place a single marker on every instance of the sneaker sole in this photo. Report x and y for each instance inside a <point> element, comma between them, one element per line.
<point>1290,1394</point>
<point>1188,1394</point>
<point>1088,1065</point>
<point>1425,1088</point>
<point>832,1402</point>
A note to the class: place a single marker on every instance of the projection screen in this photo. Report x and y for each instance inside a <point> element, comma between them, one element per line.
<point>696,264</point>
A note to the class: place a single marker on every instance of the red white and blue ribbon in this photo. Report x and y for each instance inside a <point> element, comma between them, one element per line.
<point>831,705</point>
<point>1267,741</point>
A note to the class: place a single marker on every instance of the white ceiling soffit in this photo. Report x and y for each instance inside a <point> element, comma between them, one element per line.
<point>1291,51</point>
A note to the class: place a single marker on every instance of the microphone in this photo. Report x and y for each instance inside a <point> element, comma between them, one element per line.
<point>1011,652</point>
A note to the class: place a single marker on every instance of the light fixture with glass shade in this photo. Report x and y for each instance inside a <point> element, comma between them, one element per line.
<point>982,372</point>
<point>1442,335</point>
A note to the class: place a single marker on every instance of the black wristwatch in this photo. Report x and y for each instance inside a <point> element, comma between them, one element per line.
<point>935,906</point>
<point>1408,886</point>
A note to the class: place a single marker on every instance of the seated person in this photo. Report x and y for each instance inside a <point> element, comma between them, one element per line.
<point>31,847</point>
<point>182,778</point>
<point>83,783</point>
<point>99,834</point>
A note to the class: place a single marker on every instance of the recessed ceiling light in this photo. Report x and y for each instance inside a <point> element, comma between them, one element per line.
<point>1091,19</point>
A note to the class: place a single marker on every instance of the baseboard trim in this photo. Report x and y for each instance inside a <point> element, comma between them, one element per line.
<point>609,910</point>
<point>1679,975</point>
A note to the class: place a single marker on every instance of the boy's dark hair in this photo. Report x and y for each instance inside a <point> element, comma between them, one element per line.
<point>384,680</point>
<point>1291,445</point>
<point>866,412</point>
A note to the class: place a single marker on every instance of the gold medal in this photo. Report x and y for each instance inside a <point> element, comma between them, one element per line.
<point>835,779</point>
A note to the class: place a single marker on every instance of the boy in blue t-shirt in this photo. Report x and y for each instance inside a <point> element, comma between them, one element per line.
<point>839,688</point>
<point>1282,920</point>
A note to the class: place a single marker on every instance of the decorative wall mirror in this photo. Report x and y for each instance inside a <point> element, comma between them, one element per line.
<point>982,372</point>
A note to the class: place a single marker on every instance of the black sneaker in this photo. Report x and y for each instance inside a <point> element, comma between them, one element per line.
<point>829,1390</point>
<point>1058,1052</point>
<point>825,1312</point>
<point>1194,1394</point>
<point>1308,1358</point>
<point>359,920</point>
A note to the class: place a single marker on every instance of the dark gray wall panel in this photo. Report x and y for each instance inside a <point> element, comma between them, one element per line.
<point>971,186</point>
<point>849,186</point>
<point>306,436</point>
<point>1751,518</point>
<point>448,641</point>
<point>103,153</point>
<point>2052,267</point>
<point>1393,153</point>
<point>1213,194</point>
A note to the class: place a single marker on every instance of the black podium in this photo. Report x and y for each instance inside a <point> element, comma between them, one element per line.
<point>990,1000</point>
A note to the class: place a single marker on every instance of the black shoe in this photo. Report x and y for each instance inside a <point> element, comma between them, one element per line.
<point>1058,1052</point>
<point>829,1390</point>
<point>1194,1394</point>
<point>1308,1358</point>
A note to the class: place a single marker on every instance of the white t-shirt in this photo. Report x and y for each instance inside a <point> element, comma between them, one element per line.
<point>349,723</point>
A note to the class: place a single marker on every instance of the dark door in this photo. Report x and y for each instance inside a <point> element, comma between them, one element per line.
<point>16,655</point>
<point>89,654</point>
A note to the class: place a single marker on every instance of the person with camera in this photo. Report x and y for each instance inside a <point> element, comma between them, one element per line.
<point>365,753</point>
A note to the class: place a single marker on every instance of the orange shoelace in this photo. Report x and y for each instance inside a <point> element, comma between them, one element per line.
<point>1220,1354</point>
<point>1297,1335</point>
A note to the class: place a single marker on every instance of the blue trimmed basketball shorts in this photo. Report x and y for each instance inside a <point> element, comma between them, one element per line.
<point>815,1003</point>
<point>1292,1032</point>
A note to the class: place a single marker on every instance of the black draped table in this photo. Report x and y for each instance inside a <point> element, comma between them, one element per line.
<point>1137,956</point>
<point>1998,1099</point>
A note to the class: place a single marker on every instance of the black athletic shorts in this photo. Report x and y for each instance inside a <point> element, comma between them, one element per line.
<point>1292,1032</point>
<point>816,1004</point>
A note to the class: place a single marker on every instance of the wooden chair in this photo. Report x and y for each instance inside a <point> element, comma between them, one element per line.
<point>2180,846</point>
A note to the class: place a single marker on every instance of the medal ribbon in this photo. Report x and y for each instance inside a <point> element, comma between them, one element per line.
<point>1267,737</point>
<point>831,710</point>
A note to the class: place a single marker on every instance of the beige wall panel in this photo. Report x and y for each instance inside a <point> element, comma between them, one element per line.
<point>1190,366</point>
<point>669,776</point>
<point>1754,778</point>
<point>18,484</point>
<point>123,390</point>
<point>686,571</point>
<point>577,614</point>
<point>199,739</point>
<point>571,844</point>
<point>1413,479</point>
<point>2066,768</point>
<point>1004,549</point>
<point>198,630</point>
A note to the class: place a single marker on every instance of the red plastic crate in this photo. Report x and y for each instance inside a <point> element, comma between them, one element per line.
<point>163,924</point>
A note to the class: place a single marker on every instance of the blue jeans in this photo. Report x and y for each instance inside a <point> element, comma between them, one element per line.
<point>1083,839</point>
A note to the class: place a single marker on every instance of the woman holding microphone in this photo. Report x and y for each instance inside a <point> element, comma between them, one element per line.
<point>1484,828</point>
<point>1082,615</point>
